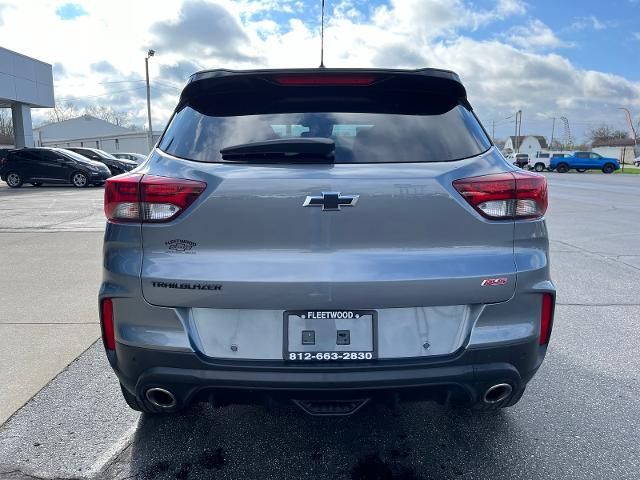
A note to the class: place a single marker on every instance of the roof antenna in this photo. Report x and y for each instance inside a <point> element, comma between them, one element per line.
<point>322,37</point>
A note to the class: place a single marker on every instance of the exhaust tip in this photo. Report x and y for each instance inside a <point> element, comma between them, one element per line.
<point>161,398</point>
<point>497,393</point>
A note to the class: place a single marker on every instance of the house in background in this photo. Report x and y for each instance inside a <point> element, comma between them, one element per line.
<point>92,132</point>
<point>530,144</point>
<point>620,148</point>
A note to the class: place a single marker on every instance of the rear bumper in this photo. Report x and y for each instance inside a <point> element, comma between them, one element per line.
<point>463,377</point>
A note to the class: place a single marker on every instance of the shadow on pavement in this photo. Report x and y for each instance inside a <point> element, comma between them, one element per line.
<point>415,441</point>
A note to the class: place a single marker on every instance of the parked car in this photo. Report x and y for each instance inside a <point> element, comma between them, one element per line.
<point>364,253</point>
<point>520,160</point>
<point>583,161</point>
<point>116,165</point>
<point>51,165</point>
<point>134,157</point>
<point>4,152</point>
<point>636,162</point>
<point>542,160</point>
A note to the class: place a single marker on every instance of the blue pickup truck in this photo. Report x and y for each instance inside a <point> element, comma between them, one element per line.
<point>583,161</point>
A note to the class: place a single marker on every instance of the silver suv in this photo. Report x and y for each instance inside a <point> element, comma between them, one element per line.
<point>329,237</point>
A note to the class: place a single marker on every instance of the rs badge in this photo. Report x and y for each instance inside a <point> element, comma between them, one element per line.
<point>491,282</point>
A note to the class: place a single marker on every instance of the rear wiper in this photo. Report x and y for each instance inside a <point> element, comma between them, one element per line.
<point>307,150</point>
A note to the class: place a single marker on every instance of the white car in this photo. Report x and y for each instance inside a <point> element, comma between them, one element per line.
<point>542,160</point>
<point>636,162</point>
<point>519,159</point>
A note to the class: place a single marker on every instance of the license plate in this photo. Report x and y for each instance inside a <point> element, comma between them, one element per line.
<point>330,335</point>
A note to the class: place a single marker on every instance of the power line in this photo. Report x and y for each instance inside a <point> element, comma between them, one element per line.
<point>166,85</point>
<point>100,83</point>
<point>80,97</point>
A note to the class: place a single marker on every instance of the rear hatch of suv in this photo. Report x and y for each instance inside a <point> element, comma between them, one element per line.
<point>327,190</point>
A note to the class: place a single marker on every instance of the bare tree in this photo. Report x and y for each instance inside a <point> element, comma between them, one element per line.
<point>68,110</point>
<point>6,122</point>
<point>108,114</point>
<point>63,111</point>
<point>605,132</point>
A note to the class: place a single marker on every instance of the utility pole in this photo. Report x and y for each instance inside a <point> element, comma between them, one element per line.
<point>635,135</point>
<point>518,129</point>
<point>493,131</point>
<point>150,54</point>
<point>515,138</point>
<point>633,129</point>
<point>553,131</point>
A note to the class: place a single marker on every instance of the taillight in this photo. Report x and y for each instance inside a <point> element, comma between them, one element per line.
<point>148,198</point>
<point>122,198</point>
<point>546,318</point>
<point>106,321</point>
<point>298,80</point>
<point>506,196</point>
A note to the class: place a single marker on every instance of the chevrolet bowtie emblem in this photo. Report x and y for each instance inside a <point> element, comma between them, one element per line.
<point>331,201</point>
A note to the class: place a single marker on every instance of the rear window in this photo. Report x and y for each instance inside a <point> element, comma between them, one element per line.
<point>401,127</point>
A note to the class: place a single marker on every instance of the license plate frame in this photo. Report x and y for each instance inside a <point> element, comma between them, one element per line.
<point>297,353</point>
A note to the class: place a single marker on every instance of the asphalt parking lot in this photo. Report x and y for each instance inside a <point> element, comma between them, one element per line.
<point>579,418</point>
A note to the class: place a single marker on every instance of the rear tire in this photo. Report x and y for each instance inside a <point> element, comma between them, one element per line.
<point>562,168</point>
<point>14,179</point>
<point>539,167</point>
<point>79,180</point>
<point>608,168</point>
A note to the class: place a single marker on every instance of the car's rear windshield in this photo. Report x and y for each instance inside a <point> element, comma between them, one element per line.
<point>401,127</point>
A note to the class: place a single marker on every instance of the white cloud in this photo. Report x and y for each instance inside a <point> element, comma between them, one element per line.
<point>535,35</point>
<point>591,22</point>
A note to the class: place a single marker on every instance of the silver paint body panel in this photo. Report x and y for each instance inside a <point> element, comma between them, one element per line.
<point>411,249</point>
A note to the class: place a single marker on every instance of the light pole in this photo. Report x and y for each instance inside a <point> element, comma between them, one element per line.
<point>518,130</point>
<point>150,54</point>
<point>633,131</point>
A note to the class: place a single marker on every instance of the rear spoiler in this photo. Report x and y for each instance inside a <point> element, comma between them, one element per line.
<point>438,82</point>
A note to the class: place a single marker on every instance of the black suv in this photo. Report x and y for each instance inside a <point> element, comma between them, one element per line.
<point>51,165</point>
<point>116,165</point>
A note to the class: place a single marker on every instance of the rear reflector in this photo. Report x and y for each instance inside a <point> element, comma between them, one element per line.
<point>148,198</point>
<point>106,320</point>
<point>506,196</point>
<point>546,318</point>
<point>324,80</point>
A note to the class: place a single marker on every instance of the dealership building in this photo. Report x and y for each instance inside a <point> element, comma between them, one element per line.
<point>25,83</point>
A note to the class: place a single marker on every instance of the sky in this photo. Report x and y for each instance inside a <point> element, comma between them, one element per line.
<point>549,58</point>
